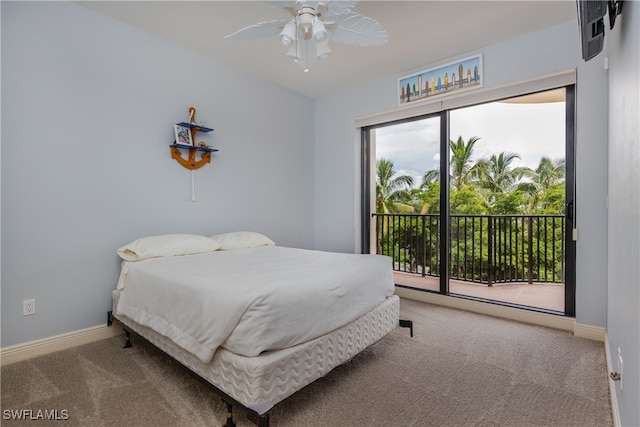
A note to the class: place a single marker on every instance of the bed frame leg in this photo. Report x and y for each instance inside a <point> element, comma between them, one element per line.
<point>229,422</point>
<point>407,324</point>
<point>263,420</point>
<point>127,334</point>
<point>127,343</point>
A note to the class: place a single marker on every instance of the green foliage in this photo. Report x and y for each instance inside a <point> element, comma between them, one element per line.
<point>467,200</point>
<point>427,200</point>
<point>551,201</point>
<point>509,203</point>
<point>498,186</point>
<point>493,236</point>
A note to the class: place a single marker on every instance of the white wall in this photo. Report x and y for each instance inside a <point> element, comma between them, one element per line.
<point>623,322</point>
<point>88,106</point>
<point>552,50</point>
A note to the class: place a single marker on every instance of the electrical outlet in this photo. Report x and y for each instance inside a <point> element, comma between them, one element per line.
<point>28,307</point>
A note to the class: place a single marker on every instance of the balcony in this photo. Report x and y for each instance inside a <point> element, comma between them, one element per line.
<point>518,259</point>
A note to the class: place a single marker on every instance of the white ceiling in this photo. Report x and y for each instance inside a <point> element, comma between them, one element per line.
<point>421,33</point>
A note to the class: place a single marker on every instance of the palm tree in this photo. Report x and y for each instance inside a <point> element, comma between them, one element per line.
<point>393,191</point>
<point>462,169</point>
<point>496,175</point>
<point>549,173</point>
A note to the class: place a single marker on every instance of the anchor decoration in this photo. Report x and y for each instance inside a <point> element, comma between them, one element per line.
<point>191,162</point>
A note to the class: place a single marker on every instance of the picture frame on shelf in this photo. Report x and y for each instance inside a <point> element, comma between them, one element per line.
<point>183,135</point>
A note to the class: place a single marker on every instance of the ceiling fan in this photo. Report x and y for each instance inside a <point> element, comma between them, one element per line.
<point>313,25</point>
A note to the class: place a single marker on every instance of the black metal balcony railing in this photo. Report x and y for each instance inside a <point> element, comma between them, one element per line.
<point>485,249</point>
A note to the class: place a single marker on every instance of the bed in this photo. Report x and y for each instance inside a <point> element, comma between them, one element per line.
<point>256,321</point>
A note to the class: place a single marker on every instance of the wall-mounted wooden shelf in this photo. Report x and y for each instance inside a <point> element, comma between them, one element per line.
<point>191,162</point>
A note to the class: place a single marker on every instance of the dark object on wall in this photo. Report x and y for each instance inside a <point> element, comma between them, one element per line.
<point>591,23</point>
<point>591,15</point>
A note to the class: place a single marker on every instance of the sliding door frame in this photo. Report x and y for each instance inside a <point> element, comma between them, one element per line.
<point>570,195</point>
<point>445,211</point>
<point>442,108</point>
<point>365,192</point>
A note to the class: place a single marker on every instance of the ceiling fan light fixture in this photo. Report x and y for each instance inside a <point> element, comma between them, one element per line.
<point>319,31</point>
<point>288,34</point>
<point>293,52</point>
<point>322,50</point>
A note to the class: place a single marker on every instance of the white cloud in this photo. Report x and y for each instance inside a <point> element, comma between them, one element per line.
<point>529,130</point>
<point>410,146</point>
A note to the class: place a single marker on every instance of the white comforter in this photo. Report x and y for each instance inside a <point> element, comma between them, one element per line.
<point>251,300</point>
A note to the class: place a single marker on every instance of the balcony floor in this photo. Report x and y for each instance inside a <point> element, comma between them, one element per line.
<point>548,296</point>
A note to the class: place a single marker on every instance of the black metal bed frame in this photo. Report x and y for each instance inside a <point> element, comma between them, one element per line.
<point>260,420</point>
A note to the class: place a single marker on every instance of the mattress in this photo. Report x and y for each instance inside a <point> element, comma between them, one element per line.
<point>260,382</point>
<point>252,300</point>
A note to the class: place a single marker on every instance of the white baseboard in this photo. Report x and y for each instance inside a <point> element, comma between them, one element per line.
<point>615,411</point>
<point>525,316</point>
<point>595,333</point>
<point>19,352</point>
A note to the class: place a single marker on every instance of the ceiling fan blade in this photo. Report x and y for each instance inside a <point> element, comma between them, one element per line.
<point>359,30</point>
<point>257,31</point>
<point>291,9</point>
<point>338,7</point>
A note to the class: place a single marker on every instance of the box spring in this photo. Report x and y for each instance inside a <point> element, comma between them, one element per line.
<point>260,382</point>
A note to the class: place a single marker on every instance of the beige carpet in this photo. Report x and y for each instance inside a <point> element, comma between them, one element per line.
<point>460,369</point>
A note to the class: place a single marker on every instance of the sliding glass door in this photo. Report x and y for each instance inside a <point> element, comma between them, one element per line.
<point>477,202</point>
<point>405,214</point>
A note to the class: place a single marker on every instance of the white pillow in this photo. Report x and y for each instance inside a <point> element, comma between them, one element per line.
<point>167,245</point>
<point>241,239</point>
